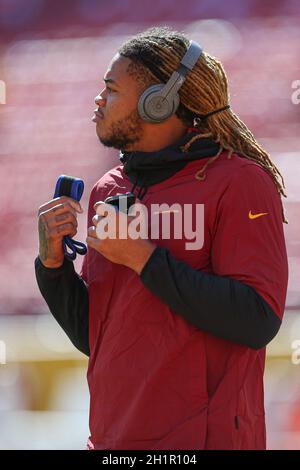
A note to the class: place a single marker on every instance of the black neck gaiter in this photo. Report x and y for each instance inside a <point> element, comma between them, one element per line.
<point>147,168</point>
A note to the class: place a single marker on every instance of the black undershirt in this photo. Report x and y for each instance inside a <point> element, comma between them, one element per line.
<point>218,305</point>
<point>66,294</point>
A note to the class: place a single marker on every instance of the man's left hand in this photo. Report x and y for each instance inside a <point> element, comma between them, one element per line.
<point>133,253</point>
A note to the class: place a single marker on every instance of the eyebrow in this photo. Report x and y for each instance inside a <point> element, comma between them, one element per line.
<point>110,80</point>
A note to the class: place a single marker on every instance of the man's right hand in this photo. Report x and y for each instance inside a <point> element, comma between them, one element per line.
<point>56,218</point>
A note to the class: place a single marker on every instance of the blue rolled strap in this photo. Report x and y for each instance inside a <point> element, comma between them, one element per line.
<point>71,187</point>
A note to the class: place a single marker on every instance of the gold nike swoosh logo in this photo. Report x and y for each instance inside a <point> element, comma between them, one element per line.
<point>255,216</point>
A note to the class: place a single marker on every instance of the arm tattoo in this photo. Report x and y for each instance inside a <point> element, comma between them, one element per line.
<point>43,240</point>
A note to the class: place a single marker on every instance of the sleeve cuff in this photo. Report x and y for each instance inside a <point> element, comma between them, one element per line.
<point>53,272</point>
<point>155,261</point>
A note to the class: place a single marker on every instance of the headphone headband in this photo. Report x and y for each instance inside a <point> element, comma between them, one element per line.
<point>187,63</point>
<point>192,55</point>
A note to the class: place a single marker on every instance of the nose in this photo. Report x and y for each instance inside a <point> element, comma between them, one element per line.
<point>99,101</point>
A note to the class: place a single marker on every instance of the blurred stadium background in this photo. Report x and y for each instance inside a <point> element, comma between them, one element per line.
<point>53,56</point>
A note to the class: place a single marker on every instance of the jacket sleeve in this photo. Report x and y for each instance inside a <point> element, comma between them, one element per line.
<point>66,294</point>
<point>243,300</point>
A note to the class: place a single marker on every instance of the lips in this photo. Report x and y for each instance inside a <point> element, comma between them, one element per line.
<point>98,116</point>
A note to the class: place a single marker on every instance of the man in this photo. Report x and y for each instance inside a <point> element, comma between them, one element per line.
<point>176,337</point>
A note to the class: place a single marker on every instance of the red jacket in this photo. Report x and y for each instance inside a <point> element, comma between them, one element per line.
<point>157,382</point>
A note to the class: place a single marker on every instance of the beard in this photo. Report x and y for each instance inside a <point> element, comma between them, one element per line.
<point>124,132</point>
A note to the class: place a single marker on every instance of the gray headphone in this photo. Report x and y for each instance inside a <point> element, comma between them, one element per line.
<point>159,102</point>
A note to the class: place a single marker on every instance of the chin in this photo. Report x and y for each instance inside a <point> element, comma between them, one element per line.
<point>100,134</point>
<point>106,141</point>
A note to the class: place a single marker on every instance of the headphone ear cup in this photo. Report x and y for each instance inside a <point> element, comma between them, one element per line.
<point>153,107</point>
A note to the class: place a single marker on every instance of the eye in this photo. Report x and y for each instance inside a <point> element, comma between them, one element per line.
<point>109,90</point>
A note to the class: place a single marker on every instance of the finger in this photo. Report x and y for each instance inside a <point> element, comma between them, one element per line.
<point>98,203</point>
<point>102,208</point>
<point>75,204</point>
<point>65,217</point>
<point>60,200</point>
<point>63,208</point>
<point>93,242</point>
<point>60,230</point>
<point>52,222</point>
<point>96,219</point>
<point>92,232</point>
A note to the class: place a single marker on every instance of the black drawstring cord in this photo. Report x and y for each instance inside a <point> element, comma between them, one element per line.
<point>142,193</point>
<point>134,186</point>
<point>143,189</point>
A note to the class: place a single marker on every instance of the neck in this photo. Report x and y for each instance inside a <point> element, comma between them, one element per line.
<point>158,136</point>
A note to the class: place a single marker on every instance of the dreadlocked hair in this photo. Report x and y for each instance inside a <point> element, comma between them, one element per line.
<point>155,54</point>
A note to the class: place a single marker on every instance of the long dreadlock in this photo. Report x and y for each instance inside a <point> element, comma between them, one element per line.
<point>155,54</point>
